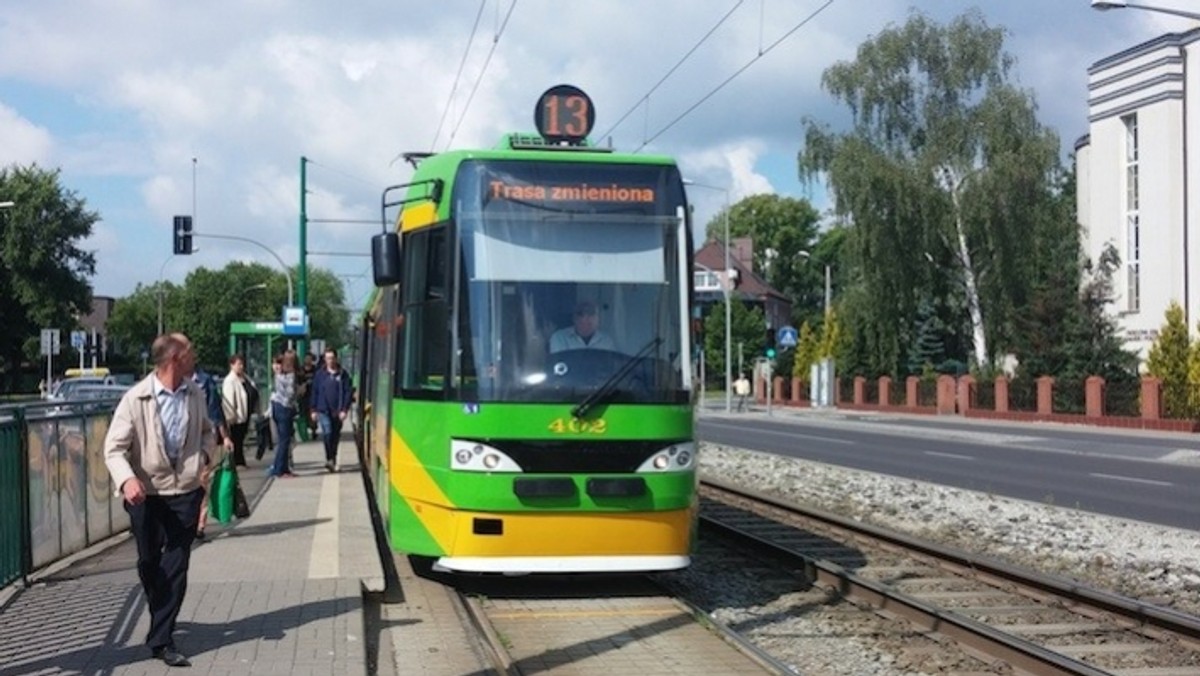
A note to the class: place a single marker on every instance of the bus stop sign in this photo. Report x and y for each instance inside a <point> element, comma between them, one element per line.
<point>295,320</point>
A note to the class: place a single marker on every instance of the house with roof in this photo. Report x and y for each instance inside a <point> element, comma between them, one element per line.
<point>748,287</point>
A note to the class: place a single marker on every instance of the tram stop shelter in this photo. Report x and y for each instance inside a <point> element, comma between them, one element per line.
<point>259,342</point>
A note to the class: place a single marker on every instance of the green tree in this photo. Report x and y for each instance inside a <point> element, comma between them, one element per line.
<point>208,301</point>
<point>747,330</point>
<point>1194,377</point>
<point>329,316</point>
<point>808,293</point>
<point>780,227</point>
<point>44,272</point>
<point>133,323</point>
<point>1168,361</point>
<point>831,343</point>
<point>928,348</point>
<point>946,174</point>
<point>806,352</point>
<point>1095,345</point>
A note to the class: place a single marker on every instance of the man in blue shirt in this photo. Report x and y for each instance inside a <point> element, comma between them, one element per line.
<point>330,399</point>
<point>216,415</point>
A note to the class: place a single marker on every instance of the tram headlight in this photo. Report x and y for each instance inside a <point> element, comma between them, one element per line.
<point>472,456</point>
<point>673,458</point>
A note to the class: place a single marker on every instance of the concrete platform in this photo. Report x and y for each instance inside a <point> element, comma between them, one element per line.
<point>280,592</point>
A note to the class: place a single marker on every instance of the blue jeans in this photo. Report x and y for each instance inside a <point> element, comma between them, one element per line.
<point>284,418</point>
<point>331,432</point>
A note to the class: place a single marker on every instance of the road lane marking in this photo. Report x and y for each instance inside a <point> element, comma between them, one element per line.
<point>789,435</point>
<point>815,438</point>
<point>956,456</point>
<point>1182,456</point>
<point>323,554</point>
<point>1135,480</point>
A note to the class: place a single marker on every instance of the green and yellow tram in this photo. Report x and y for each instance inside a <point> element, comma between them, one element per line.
<point>525,374</point>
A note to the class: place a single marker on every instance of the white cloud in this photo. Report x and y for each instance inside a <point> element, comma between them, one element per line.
<point>22,141</point>
<point>124,93</point>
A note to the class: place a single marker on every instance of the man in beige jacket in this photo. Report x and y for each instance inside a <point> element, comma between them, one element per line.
<point>158,447</point>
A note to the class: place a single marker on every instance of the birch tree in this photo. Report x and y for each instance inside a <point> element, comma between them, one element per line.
<point>942,175</point>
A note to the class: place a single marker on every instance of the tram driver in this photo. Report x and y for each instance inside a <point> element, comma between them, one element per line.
<point>584,332</point>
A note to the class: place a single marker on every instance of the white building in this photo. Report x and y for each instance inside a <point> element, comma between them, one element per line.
<point>1138,185</point>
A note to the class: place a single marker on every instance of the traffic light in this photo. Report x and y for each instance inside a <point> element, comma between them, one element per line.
<point>769,348</point>
<point>182,230</point>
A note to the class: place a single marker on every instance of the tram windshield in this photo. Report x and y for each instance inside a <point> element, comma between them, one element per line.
<point>569,283</point>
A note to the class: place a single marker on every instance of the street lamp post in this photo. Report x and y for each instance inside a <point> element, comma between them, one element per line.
<point>161,270</point>
<point>821,385</point>
<point>264,247</point>
<point>1105,5</point>
<point>828,289</point>
<point>828,281</point>
<point>726,285</point>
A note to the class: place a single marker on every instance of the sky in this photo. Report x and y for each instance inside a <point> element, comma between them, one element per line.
<point>152,108</point>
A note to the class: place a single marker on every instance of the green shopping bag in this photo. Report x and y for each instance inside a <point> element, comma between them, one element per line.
<point>222,489</point>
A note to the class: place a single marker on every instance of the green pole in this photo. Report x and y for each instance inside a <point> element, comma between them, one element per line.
<point>302,286</point>
<point>302,291</point>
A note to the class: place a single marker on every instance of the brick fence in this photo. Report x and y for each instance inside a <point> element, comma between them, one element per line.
<point>954,396</point>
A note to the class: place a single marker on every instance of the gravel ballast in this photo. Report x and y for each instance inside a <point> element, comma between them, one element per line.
<point>1156,564</point>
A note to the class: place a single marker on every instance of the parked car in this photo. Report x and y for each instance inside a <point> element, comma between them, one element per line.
<point>65,387</point>
<point>90,398</point>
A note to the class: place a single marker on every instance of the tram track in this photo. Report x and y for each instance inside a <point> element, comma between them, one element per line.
<point>1020,620</point>
<point>564,624</point>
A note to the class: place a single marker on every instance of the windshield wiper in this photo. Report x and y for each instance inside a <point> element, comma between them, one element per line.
<point>609,385</point>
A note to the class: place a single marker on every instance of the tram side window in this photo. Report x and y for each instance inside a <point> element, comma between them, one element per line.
<point>423,347</point>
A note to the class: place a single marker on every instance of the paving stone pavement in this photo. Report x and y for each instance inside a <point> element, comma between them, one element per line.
<point>278,593</point>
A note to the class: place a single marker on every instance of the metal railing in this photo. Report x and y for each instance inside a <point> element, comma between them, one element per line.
<point>13,501</point>
<point>1070,395</point>
<point>1123,398</point>
<point>927,392</point>
<point>55,494</point>
<point>983,395</point>
<point>1022,395</point>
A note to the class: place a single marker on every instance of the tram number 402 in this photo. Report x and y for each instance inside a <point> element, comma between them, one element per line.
<point>577,426</point>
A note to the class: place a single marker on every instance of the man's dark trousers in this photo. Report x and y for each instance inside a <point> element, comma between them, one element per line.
<point>164,527</point>
<point>331,433</point>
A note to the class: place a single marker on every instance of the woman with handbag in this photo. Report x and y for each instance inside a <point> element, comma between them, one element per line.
<point>235,400</point>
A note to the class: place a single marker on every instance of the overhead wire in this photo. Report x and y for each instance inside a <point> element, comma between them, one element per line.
<point>461,64</point>
<point>731,78</point>
<point>645,97</point>
<point>483,70</point>
<point>342,172</point>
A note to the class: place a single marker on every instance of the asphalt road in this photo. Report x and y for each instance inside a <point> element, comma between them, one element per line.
<point>1153,477</point>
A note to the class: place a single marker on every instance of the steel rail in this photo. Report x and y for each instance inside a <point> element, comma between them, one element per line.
<point>976,637</point>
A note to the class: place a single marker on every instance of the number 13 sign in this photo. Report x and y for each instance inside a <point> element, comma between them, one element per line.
<point>564,113</point>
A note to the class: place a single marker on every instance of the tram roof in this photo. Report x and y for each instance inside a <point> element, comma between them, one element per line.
<point>531,147</point>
